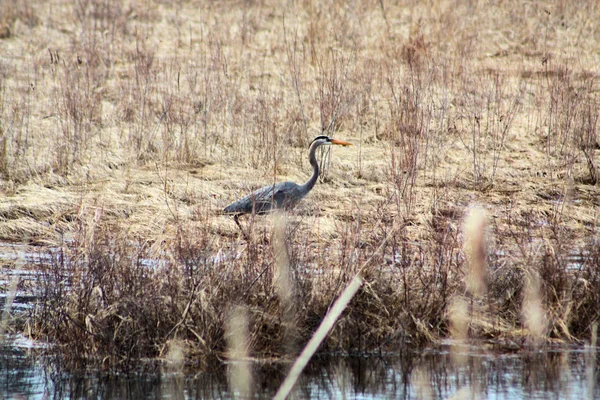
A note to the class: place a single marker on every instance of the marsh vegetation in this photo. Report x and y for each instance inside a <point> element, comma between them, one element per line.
<point>126,126</point>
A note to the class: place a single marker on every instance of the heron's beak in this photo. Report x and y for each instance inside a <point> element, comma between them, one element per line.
<point>340,142</point>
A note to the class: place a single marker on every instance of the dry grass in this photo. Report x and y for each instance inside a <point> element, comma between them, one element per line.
<point>124,127</point>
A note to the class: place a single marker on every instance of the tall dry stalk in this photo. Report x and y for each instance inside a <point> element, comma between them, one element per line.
<point>236,334</point>
<point>459,316</point>
<point>476,283</point>
<point>475,250</point>
<point>534,316</point>
<point>314,342</point>
<point>284,285</point>
<point>175,357</point>
<point>282,279</point>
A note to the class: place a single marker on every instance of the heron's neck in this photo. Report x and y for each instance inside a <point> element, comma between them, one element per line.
<point>313,161</point>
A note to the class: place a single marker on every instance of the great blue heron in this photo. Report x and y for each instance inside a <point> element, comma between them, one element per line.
<point>283,195</point>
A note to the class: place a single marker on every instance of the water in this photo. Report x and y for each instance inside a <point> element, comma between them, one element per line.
<point>437,373</point>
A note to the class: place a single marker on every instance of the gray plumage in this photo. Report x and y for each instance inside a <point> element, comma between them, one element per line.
<point>284,195</point>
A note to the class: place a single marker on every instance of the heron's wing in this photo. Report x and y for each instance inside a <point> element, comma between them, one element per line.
<point>263,200</point>
<point>286,194</point>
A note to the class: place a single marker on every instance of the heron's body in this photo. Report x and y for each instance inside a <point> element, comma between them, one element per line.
<point>284,195</point>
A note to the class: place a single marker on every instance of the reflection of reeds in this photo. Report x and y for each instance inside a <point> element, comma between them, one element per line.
<point>420,380</point>
<point>591,362</point>
<point>236,334</point>
<point>12,290</point>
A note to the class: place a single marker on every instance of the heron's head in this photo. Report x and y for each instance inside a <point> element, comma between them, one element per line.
<point>320,140</point>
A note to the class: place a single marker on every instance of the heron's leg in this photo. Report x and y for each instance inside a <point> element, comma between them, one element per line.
<point>237,221</point>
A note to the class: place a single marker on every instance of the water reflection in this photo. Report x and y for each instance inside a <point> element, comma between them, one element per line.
<point>436,373</point>
<point>20,376</point>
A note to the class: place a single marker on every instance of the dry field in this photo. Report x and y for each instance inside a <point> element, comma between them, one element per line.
<point>126,126</point>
